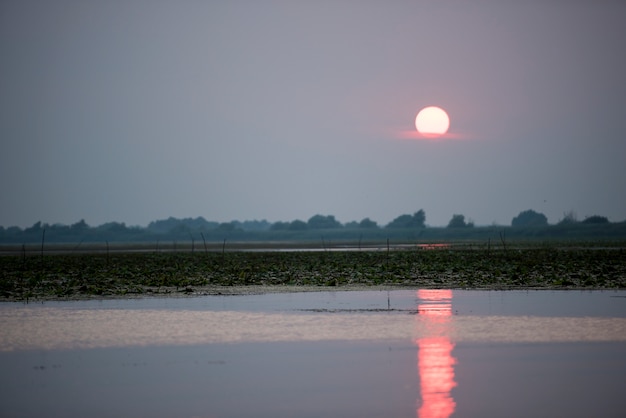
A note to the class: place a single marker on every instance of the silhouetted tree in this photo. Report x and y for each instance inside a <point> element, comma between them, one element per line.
<point>113,227</point>
<point>298,225</point>
<point>367,223</point>
<point>36,228</point>
<point>458,221</point>
<point>417,220</point>
<point>79,226</point>
<point>402,221</point>
<point>569,218</point>
<point>596,219</point>
<point>529,218</point>
<point>279,226</point>
<point>165,226</point>
<point>323,222</point>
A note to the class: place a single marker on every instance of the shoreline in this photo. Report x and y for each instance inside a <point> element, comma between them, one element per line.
<point>234,291</point>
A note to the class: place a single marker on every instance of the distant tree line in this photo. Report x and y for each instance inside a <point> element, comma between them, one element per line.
<point>190,229</point>
<point>530,218</point>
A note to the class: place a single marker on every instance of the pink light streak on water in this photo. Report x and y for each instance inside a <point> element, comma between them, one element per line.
<point>435,363</point>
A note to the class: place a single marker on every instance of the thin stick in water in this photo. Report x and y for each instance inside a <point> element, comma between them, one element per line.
<point>204,241</point>
<point>43,239</point>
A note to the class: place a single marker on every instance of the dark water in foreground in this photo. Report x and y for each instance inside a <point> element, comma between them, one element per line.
<point>358,354</point>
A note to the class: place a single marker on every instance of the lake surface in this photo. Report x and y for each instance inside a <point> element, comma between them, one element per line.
<point>405,353</point>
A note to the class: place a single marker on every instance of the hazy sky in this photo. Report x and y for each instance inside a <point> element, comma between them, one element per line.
<point>133,111</point>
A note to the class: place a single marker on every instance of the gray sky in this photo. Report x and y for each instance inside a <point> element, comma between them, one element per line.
<point>133,111</point>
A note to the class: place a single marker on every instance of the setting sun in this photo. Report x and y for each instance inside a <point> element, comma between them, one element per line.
<point>432,121</point>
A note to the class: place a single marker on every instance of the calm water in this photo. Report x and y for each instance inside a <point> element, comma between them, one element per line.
<point>428,353</point>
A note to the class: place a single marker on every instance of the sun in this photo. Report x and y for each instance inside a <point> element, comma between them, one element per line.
<point>432,121</point>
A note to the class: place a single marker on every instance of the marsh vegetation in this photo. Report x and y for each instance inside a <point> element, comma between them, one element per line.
<point>49,275</point>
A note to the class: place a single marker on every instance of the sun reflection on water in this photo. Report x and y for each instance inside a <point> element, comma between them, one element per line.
<point>435,362</point>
